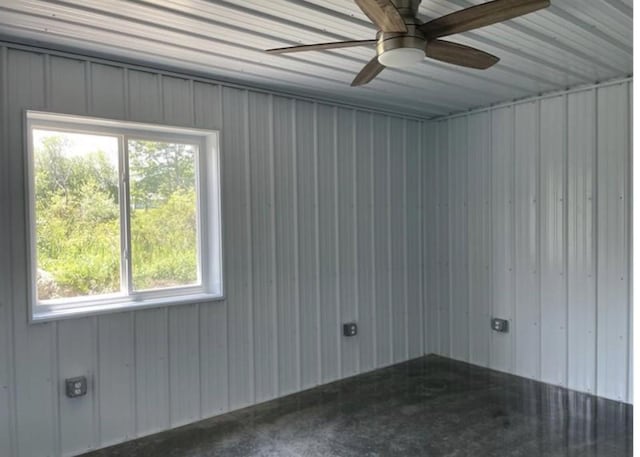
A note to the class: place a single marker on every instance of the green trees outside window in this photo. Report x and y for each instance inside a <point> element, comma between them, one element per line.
<point>79,218</point>
<point>163,214</point>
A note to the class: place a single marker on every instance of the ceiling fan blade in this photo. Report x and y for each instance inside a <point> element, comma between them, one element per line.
<point>383,14</point>
<point>480,16</point>
<point>459,54</point>
<point>370,71</point>
<point>320,46</point>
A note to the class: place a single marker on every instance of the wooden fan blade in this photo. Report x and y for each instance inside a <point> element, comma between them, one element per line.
<point>370,71</point>
<point>383,14</point>
<point>459,54</point>
<point>320,46</point>
<point>480,16</point>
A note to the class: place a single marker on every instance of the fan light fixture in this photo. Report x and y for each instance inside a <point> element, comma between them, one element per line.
<point>401,57</point>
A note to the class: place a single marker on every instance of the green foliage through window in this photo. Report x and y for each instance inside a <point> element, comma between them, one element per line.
<point>163,214</point>
<point>78,214</point>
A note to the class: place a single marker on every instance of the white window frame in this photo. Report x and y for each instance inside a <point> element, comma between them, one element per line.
<point>210,258</point>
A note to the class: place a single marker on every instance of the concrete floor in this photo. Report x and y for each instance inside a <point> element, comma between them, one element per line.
<point>426,407</point>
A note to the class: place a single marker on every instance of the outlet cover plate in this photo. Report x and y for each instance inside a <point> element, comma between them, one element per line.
<point>76,387</point>
<point>350,329</point>
<point>500,325</point>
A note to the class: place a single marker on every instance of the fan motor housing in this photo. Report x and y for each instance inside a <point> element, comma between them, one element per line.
<point>403,41</point>
<point>412,39</point>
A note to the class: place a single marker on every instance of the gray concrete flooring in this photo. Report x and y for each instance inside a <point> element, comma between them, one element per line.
<point>430,406</point>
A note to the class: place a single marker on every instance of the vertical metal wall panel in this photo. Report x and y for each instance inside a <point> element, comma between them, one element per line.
<point>327,233</point>
<point>307,243</point>
<point>486,143</point>
<point>76,345</point>
<point>184,365</point>
<point>346,260</point>
<point>613,240</point>
<point>458,184</point>
<point>526,316</point>
<point>66,78</point>
<point>207,105</point>
<point>214,362</point>
<point>214,381</point>
<point>365,242</point>
<point>115,380</point>
<point>413,240</point>
<point>479,233</point>
<point>553,243</point>
<point>286,233</point>
<point>443,323</point>
<point>152,371</point>
<point>107,96</point>
<point>262,245</point>
<point>381,239</point>
<point>66,85</point>
<point>581,164</point>
<point>177,101</point>
<point>430,230</point>
<point>34,346</point>
<point>145,98</point>
<point>502,134</point>
<point>629,200</point>
<point>237,244</point>
<point>397,210</point>
<point>7,389</point>
<point>145,102</point>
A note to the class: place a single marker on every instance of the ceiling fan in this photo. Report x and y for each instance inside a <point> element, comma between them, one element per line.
<point>402,40</point>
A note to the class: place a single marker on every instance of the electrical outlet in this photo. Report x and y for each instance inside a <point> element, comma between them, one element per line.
<point>350,329</point>
<point>76,387</point>
<point>500,325</point>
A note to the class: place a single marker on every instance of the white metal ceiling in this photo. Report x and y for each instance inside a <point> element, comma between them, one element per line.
<point>571,43</point>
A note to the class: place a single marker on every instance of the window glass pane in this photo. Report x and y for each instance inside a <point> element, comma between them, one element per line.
<point>164,219</point>
<point>77,214</point>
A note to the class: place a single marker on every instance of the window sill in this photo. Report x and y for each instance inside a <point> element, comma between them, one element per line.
<point>46,314</point>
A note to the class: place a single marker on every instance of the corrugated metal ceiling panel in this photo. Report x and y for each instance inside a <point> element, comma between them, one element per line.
<point>571,43</point>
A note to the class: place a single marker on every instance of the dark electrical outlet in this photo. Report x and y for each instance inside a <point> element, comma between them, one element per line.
<point>76,387</point>
<point>500,325</point>
<point>350,329</point>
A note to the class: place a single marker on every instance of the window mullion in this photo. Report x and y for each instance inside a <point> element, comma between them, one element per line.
<point>127,284</point>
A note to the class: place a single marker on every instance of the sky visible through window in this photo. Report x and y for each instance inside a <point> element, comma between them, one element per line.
<point>81,143</point>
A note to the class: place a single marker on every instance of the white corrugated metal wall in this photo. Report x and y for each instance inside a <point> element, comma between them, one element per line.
<point>532,212</point>
<point>310,242</point>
